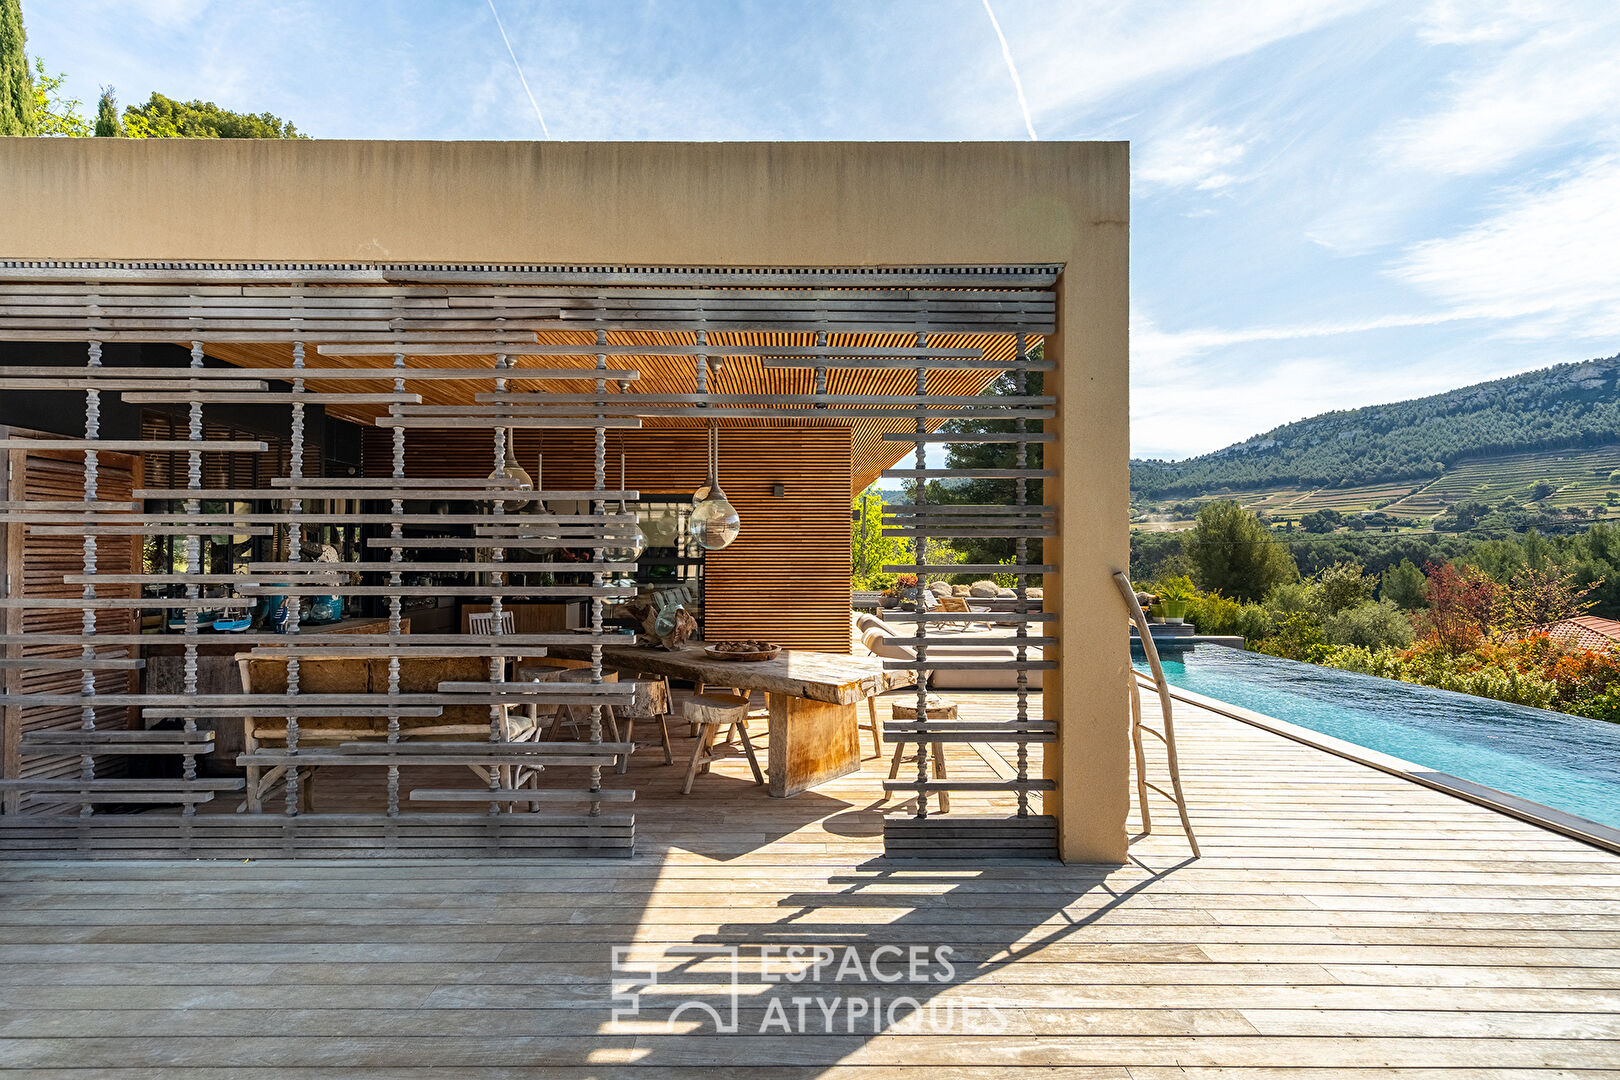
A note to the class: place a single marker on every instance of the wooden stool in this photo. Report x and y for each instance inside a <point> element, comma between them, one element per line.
<point>650,702</point>
<point>938,709</point>
<point>873,725</point>
<point>536,673</point>
<point>567,712</point>
<point>711,712</point>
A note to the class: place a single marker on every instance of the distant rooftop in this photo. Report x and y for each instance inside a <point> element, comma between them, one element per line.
<point>1584,632</point>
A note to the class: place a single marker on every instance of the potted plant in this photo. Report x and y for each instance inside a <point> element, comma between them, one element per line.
<point>1172,611</point>
<point>905,591</point>
<point>1173,599</point>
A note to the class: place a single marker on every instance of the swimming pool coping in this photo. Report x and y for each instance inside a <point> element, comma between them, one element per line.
<point>1565,824</point>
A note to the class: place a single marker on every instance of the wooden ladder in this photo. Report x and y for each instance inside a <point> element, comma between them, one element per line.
<point>1167,735</point>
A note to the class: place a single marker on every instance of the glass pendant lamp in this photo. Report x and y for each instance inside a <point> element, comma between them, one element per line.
<point>513,471</point>
<point>539,523</point>
<point>632,551</point>
<point>714,523</point>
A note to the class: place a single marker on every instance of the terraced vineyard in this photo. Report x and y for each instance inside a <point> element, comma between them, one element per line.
<point>1283,504</point>
<point>1579,477</point>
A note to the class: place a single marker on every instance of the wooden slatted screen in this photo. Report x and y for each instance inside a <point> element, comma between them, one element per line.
<point>674,375</point>
<point>785,579</point>
<point>34,567</point>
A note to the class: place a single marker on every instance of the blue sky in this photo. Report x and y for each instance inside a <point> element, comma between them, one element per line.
<point>1335,203</point>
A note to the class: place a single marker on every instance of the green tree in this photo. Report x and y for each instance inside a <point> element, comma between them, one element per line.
<point>1403,586</point>
<point>1536,596</point>
<point>984,492</point>
<point>16,87</point>
<point>1538,550</point>
<point>55,114</point>
<point>164,118</point>
<point>108,125</point>
<point>1235,553</point>
<point>870,550</point>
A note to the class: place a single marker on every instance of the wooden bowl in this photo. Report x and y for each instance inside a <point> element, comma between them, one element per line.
<point>714,653</point>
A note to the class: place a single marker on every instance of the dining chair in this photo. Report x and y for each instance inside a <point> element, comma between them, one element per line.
<point>483,623</point>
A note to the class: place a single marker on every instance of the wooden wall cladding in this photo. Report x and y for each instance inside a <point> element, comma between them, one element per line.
<point>785,579</point>
<point>35,566</point>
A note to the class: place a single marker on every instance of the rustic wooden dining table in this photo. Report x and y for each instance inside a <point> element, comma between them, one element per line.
<point>814,700</point>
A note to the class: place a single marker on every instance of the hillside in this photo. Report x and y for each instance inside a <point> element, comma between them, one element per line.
<point>1407,443</point>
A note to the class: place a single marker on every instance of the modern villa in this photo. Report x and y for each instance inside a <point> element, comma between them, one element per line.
<point>429,644</point>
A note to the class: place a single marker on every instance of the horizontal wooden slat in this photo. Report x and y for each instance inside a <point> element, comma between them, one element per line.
<point>148,446</point>
<point>634,350</point>
<point>115,738</point>
<point>262,397</point>
<point>520,795</point>
<point>324,758</point>
<point>969,665</point>
<point>970,568</point>
<point>512,750</point>
<point>1032,784</point>
<point>156,785</point>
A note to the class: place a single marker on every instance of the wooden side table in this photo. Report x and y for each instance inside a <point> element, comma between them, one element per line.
<point>937,709</point>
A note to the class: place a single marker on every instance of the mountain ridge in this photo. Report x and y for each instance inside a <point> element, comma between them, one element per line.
<point>1566,405</point>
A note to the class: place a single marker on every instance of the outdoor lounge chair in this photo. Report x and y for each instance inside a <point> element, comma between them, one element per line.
<point>875,630</point>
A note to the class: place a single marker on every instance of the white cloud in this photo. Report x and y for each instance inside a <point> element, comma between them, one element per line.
<point>1549,257</point>
<point>1200,157</point>
<point>169,13</point>
<point>1471,22</point>
<point>1162,352</point>
<point>1552,74</point>
<point>1079,54</point>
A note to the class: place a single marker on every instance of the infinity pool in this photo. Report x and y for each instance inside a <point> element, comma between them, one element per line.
<point>1566,762</point>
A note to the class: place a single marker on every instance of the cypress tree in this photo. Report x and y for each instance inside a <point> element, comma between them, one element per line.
<point>108,125</point>
<point>16,85</point>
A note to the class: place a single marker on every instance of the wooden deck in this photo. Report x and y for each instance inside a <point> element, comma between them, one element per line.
<point>1342,923</point>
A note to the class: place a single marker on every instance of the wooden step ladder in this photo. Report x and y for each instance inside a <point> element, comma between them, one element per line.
<point>1167,735</point>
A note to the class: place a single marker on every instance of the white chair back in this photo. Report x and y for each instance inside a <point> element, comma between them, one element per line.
<point>483,622</point>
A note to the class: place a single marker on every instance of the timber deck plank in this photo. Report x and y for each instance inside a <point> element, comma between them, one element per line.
<point>1342,923</point>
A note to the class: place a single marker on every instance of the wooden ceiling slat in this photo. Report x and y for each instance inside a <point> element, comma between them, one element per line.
<point>737,376</point>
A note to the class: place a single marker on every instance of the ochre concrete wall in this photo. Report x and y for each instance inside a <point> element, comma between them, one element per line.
<point>737,204</point>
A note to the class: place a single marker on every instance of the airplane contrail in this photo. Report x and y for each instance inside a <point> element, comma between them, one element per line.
<point>541,116</point>
<point>1012,69</point>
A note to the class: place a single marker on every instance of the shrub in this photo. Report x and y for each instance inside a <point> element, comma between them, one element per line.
<point>1604,706</point>
<point>1341,586</point>
<point>1254,622</point>
<point>1385,663</point>
<point>1503,673</point>
<point>1213,613</point>
<point>1297,636</point>
<point>1371,626</point>
<point>1295,596</point>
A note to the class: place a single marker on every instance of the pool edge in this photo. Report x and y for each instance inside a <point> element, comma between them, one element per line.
<point>1585,830</point>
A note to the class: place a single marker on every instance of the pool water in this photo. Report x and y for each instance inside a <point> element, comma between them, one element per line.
<point>1566,762</point>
